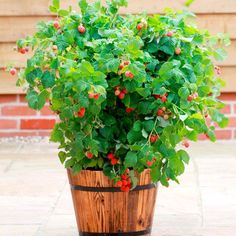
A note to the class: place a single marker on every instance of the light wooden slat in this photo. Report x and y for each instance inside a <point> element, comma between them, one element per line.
<point>13,28</point>
<point>32,7</point>
<point>7,82</point>
<point>8,55</point>
<point>11,56</point>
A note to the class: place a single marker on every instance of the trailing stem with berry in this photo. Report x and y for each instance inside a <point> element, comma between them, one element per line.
<point>128,90</point>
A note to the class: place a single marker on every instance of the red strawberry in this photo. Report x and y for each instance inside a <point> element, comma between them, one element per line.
<point>126,63</point>
<point>124,176</point>
<point>153,138</point>
<point>22,50</point>
<point>169,34</point>
<point>164,98</point>
<point>190,98</point>
<point>119,183</point>
<point>177,51</point>
<point>140,26</point>
<point>129,109</point>
<point>160,112</point>
<point>96,96</point>
<point>125,189</point>
<point>186,144</point>
<point>124,91</point>
<point>124,182</point>
<point>56,24</point>
<point>81,112</point>
<point>117,92</point>
<point>157,96</point>
<point>149,163</point>
<point>54,47</point>
<point>129,74</point>
<point>81,29</point>
<point>121,96</point>
<point>13,71</point>
<point>110,156</point>
<point>114,161</point>
<point>121,66</point>
<point>89,155</point>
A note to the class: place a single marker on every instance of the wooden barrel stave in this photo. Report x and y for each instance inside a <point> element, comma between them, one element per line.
<point>112,212</point>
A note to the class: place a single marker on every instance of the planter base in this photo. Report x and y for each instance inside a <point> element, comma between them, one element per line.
<point>101,208</point>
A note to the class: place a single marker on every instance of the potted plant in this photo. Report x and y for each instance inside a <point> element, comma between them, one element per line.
<point>130,92</point>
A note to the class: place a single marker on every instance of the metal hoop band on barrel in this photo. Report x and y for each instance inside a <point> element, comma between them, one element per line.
<point>110,189</point>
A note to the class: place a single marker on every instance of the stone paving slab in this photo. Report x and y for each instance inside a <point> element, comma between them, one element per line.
<point>35,197</point>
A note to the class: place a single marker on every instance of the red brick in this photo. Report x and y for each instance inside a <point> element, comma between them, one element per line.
<point>22,98</point>
<point>8,124</point>
<point>37,123</point>
<point>234,109</point>
<point>18,134</point>
<point>46,111</point>
<point>232,122</point>
<point>223,134</point>
<point>202,137</point>
<point>226,109</point>
<point>17,111</point>
<point>7,98</point>
<point>227,97</point>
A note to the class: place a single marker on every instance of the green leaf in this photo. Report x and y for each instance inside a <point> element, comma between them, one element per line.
<point>69,163</point>
<point>57,135</point>
<point>183,92</point>
<point>144,92</point>
<point>35,100</point>
<point>176,164</point>
<point>112,65</point>
<point>155,174</point>
<point>184,156</point>
<point>62,156</point>
<point>63,12</point>
<point>56,3</point>
<point>83,6</point>
<point>76,168</point>
<point>188,2</point>
<point>133,136</point>
<point>32,98</point>
<point>148,125</point>
<point>137,126</point>
<point>133,178</point>
<point>48,79</point>
<point>220,54</point>
<point>131,159</point>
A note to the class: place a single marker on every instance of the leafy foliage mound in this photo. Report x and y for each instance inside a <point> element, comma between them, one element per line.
<point>127,89</point>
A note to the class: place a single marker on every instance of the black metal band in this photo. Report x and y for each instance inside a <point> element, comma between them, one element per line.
<point>110,189</point>
<point>134,233</point>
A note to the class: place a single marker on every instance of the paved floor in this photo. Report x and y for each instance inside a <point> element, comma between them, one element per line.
<point>35,198</point>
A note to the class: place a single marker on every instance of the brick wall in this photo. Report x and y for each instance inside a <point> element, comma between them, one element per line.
<point>16,119</point>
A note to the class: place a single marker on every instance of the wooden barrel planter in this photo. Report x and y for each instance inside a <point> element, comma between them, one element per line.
<point>101,209</point>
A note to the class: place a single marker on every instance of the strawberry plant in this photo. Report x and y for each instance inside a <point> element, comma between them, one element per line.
<point>128,90</point>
